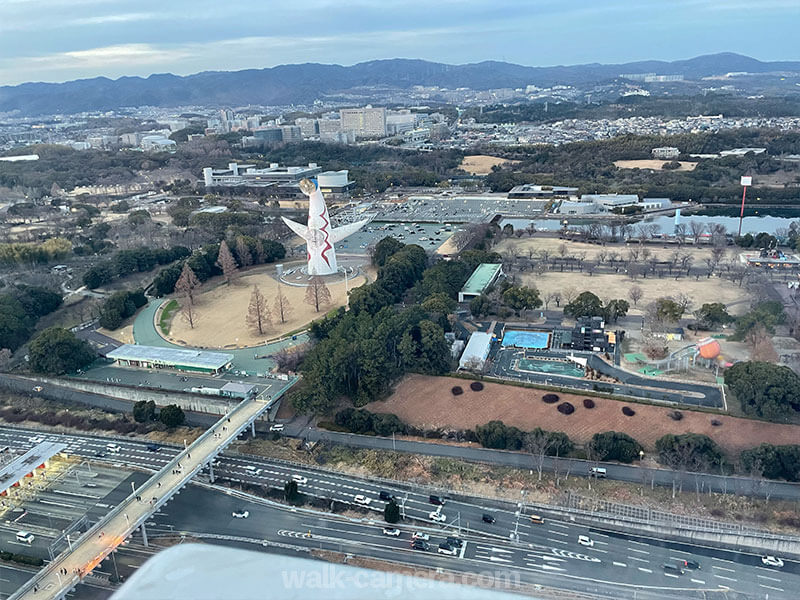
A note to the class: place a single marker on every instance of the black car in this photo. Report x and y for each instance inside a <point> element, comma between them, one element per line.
<point>673,569</point>
<point>100,454</point>
<point>690,564</point>
<point>420,545</point>
<point>455,542</point>
<point>487,518</point>
<point>153,447</point>
<point>438,500</point>
<point>385,496</point>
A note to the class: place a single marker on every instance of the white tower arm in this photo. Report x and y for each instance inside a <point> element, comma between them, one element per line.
<point>298,228</point>
<point>341,232</point>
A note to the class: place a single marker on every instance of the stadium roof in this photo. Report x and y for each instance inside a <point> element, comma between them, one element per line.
<point>480,279</point>
<point>172,356</point>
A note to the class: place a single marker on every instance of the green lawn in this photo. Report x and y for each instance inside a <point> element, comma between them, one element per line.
<point>166,316</point>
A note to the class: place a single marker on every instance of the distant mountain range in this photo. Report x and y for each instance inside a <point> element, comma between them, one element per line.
<point>303,83</point>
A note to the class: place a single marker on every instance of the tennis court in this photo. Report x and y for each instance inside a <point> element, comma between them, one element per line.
<point>556,367</point>
<point>526,339</point>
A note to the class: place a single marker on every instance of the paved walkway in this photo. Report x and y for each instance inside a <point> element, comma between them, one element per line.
<point>244,359</point>
<point>59,576</point>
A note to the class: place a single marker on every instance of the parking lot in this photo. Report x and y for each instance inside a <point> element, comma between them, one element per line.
<point>459,209</point>
<point>427,235</point>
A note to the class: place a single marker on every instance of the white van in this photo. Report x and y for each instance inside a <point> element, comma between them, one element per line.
<point>597,472</point>
<point>25,536</point>
<point>113,448</point>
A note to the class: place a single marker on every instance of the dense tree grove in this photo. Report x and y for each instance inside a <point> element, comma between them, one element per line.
<point>20,309</point>
<point>119,306</point>
<point>358,420</point>
<point>689,452</point>
<point>498,435</point>
<point>587,304</point>
<point>764,389</point>
<point>772,462</point>
<point>764,314</point>
<point>50,250</point>
<point>56,351</point>
<point>613,445</point>
<point>126,262</point>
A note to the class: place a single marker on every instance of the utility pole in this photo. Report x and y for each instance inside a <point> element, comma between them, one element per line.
<point>745,181</point>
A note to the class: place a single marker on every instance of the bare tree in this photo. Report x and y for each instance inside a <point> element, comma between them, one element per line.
<point>680,234</point>
<point>226,262</point>
<point>283,309</point>
<point>243,252</point>
<point>761,348</point>
<point>5,356</point>
<point>187,283</point>
<point>556,297</point>
<point>258,315</point>
<point>317,293</point>
<point>548,298</point>
<point>189,313</point>
<point>538,442</point>
<point>697,229</point>
<point>569,294</point>
<point>635,294</point>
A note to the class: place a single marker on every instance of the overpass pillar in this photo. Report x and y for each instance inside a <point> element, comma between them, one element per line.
<point>253,428</point>
<point>211,470</point>
<point>144,537</point>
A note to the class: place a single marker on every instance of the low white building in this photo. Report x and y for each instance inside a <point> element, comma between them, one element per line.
<point>476,352</point>
<point>611,201</point>
<point>667,152</point>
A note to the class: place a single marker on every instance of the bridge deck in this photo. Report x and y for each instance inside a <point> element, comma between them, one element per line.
<point>63,573</point>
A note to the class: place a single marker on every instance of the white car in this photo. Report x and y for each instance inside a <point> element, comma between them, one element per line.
<point>437,517</point>
<point>276,427</point>
<point>240,514</point>
<point>421,536</point>
<point>37,439</point>
<point>299,479</point>
<point>772,561</point>
<point>37,388</point>
<point>362,500</point>
<point>446,549</point>
<point>391,531</point>
<point>585,540</point>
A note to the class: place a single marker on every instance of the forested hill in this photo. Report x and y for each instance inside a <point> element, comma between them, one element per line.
<point>303,83</point>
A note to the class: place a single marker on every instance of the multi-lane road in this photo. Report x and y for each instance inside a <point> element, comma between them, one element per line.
<point>547,553</point>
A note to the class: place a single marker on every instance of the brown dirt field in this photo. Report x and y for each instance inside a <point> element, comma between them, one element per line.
<point>123,334</point>
<point>656,165</point>
<point>481,164</point>
<point>427,402</point>
<point>221,311</point>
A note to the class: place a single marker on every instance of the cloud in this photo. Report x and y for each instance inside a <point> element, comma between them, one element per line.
<point>121,18</point>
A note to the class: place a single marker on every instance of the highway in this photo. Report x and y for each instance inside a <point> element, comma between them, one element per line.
<point>546,553</point>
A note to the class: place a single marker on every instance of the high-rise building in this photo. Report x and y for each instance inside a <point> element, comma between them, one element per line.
<point>365,122</point>
<point>291,133</point>
<point>308,127</point>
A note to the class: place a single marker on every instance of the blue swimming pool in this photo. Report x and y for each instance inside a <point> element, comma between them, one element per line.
<point>526,339</point>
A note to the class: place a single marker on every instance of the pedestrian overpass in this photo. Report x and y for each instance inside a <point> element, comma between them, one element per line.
<point>68,568</point>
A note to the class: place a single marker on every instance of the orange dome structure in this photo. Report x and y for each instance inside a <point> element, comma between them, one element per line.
<point>708,348</point>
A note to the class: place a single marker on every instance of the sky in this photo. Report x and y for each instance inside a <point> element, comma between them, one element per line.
<point>60,40</point>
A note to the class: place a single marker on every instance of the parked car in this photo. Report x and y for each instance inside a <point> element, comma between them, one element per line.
<point>437,517</point>
<point>585,540</point>
<point>445,548</point>
<point>487,518</point>
<point>276,427</point>
<point>362,500</point>
<point>772,561</point>
<point>240,514</point>
<point>391,531</point>
<point>599,472</point>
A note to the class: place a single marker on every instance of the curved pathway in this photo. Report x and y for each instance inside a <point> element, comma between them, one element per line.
<point>145,332</point>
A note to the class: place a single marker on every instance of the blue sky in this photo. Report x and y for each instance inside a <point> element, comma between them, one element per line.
<point>58,40</point>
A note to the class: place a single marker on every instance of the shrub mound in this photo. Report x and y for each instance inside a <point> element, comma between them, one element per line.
<point>457,390</point>
<point>628,411</point>
<point>716,423</point>
<point>588,403</point>
<point>675,415</point>
<point>565,408</point>
<point>476,386</point>
<point>550,398</point>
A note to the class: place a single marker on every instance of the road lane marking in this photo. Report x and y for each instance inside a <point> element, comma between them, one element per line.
<point>643,570</point>
<point>765,577</point>
<point>670,575</point>
<point>639,559</point>
<point>554,524</point>
<point>700,581</point>
<point>638,543</point>
<point>640,551</point>
<point>769,587</point>
<point>552,558</point>
<point>722,568</point>
<point>551,568</point>
<point>558,533</point>
<point>619,564</point>
<point>555,541</point>
<point>725,578</point>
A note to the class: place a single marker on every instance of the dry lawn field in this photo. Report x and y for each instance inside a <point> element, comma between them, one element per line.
<point>616,285</point>
<point>222,310</point>
<point>656,165</point>
<point>427,402</point>
<point>481,164</point>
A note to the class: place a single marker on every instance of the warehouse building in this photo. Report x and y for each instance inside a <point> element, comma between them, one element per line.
<point>179,359</point>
